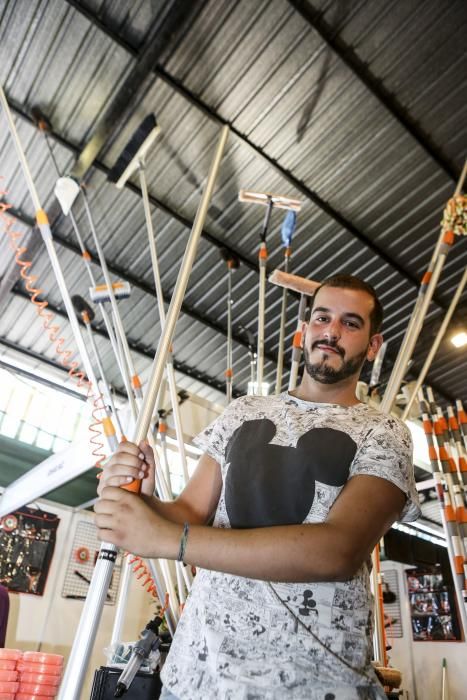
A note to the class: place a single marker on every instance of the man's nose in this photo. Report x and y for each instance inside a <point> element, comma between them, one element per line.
<point>332,332</point>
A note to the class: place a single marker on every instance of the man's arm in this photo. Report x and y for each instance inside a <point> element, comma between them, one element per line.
<point>198,501</point>
<point>328,551</point>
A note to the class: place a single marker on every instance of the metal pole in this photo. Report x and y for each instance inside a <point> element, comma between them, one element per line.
<point>228,372</point>
<point>107,393</point>
<point>160,303</point>
<point>113,302</point>
<point>84,640</point>
<point>86,257</point>
<point>280,354</point>
<point>263,259</point>
<point>297,343</point>
<point>434,348</point>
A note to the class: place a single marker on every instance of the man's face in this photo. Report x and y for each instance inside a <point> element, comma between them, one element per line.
<point>337,338</point>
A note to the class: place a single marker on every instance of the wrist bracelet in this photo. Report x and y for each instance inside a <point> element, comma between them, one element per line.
<point>183,541</point>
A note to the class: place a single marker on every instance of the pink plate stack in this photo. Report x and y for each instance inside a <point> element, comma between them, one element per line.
<point>29,675</point>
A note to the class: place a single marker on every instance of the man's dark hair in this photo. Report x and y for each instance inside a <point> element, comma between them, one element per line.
<point>344,281</point>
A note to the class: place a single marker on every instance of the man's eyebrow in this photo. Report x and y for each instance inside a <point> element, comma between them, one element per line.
<point>347,314</point>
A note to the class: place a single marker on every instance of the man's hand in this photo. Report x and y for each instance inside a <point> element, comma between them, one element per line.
<point>124,519</point>
<point>130,462</point>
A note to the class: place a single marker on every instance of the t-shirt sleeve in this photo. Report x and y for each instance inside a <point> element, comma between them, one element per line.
<point>387,452</point>
<point>215,437</point>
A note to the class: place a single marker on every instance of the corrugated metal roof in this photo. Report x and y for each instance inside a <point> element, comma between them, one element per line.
<point>304,124</point>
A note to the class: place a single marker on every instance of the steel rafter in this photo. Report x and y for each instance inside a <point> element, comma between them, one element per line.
<point>299,185</point>
<point>360,69</point>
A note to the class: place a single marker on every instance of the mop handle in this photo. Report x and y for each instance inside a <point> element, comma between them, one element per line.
<point>160,303</point>
<point>229,372</point>
<point>165,340</point>
<point>280,354</point>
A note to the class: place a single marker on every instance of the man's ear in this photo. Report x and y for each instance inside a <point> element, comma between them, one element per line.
<point>376,341</point>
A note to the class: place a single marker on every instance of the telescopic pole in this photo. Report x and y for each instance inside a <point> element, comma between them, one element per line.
<point>92,610</point>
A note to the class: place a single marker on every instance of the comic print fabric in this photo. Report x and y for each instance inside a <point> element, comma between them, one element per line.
<point>285,461</point>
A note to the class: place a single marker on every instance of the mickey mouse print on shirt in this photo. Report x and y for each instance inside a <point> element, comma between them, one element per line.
<point>269,484</point>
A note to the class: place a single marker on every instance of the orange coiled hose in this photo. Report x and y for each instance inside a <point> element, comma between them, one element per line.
<point>141,571</point>
<point>53,331</point>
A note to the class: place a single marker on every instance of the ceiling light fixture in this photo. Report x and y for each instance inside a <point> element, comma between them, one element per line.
<point>459,339</point>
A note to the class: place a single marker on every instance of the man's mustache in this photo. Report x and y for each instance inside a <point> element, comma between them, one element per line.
<point>331,344</point>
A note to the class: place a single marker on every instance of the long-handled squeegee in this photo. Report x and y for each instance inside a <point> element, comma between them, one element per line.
<point>270,201</point>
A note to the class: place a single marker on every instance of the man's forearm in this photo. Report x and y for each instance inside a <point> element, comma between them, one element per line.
<point>315,552</point>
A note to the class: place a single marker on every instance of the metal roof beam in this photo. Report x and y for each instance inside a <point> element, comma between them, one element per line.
<point>299,185</point>
<point>360,69</point>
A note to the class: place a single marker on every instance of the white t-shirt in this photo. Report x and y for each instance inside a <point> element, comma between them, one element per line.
<point>285,461</point>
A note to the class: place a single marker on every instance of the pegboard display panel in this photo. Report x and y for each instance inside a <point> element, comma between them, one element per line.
<point>81,562</point>
<point>392,604</point>
<point>27,543</point>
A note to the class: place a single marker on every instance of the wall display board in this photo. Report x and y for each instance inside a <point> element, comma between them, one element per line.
<point>432,606</point>
<point>27,543</point>
<point>81,562</point>
<point>391,604</point>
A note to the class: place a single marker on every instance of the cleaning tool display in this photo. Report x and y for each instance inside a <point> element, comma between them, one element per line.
<point>287,231</point>
<point>92,610</point>
<point>270,201</point>
<point>233,263</point>
<point>453,519</point>
<point>46,233</point>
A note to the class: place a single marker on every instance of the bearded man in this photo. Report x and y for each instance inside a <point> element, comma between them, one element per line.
<point>299,488</point>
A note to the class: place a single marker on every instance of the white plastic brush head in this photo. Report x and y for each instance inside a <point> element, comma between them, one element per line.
<point>100,294</point>
<point>66,190</point>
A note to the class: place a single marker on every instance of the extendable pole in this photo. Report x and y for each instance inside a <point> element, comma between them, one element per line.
<point>160,304</point>
<point>135,381</point>
<point>280,353</point>
<point>297,343</point>
<point>92,610</point>
<point>84,253</point>
<point>263,261</point>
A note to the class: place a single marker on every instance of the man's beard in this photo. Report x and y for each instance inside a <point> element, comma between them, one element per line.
<point>322,372</point>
